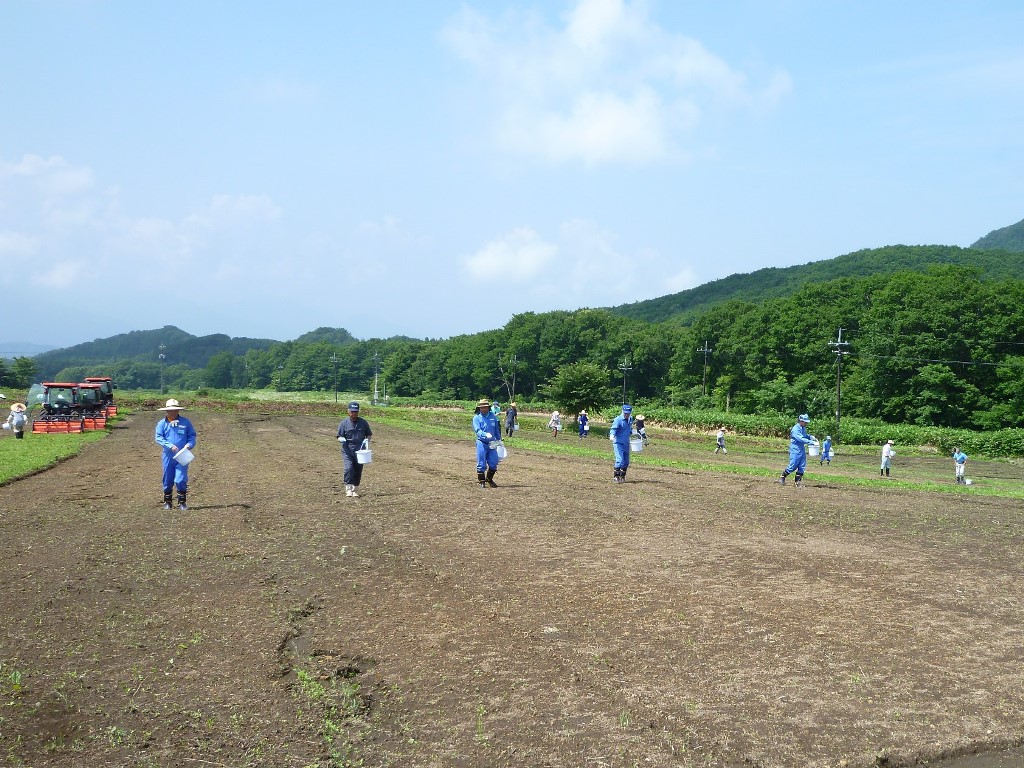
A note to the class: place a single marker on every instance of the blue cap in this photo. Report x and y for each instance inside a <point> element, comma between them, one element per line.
<point>627,408</point>
<point>804,417</point>
<point>353,406</point>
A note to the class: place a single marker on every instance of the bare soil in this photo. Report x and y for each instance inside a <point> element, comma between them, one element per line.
<point>685,618</point>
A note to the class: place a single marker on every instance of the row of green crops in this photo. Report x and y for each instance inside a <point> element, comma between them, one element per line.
<point>34,453</point>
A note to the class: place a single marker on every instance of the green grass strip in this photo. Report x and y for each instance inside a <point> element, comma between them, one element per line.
<point>36,452</point>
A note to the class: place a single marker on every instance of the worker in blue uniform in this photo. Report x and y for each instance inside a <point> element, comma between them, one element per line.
<point>488,436</point>
<point>619,433</point>
<point>799,439</point>
<point>174,433</point>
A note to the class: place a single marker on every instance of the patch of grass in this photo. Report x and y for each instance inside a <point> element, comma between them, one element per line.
<point>338,705</point>
<point>34,453</point>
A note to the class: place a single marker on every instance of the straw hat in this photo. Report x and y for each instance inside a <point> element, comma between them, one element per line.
<point>17,407</point>
<point>482,402</point>
<point>640,417</point>
<point>172,405</point>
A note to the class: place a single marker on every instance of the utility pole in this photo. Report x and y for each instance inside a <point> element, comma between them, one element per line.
<point>162,357</point>
<point>509,379</point>
<point>840,348</point>
<point>706,350</point>
<point>624,366</point>
<point>376,373</point>
<point>334,359</point>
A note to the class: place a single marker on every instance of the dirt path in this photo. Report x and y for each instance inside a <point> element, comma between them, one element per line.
<point>685,618</point>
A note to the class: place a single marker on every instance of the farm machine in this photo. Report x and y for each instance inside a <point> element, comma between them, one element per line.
<point>71,407</point>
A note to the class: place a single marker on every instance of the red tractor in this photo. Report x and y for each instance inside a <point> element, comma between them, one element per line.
<point>107,387</point>
<point>70,407</point>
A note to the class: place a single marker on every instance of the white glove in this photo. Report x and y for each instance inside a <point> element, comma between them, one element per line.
<point>341,439</point>
<point>488,435</point>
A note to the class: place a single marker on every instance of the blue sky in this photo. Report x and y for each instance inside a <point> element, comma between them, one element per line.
<point>433,168</point>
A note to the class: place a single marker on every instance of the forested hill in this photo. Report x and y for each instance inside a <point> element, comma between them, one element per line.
<point>178,347</point>
<point>775,282</point>
<point>1009,238</point>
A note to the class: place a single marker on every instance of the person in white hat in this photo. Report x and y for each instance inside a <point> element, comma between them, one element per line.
<point>887,453</point>
<point>174,433</point>
<point>555,423</point>
<point>619,433</point>
<point>17,420</point>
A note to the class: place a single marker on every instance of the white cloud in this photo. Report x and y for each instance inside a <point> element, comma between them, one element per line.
<point>607,86</point>
<point>519,256</point>
<point>17,245</point>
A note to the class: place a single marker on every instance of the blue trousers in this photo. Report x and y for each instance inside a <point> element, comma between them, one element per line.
<point>621,455</point>
<point>175,474</point>
<point>797,461</point>
<point>485,457</point>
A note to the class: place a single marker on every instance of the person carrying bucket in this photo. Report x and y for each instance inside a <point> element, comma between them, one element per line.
<point>353,432</point>
<point>488,437</point>
<point>511,419</point>
<point>584,423</point>
<point>175,433</point>
<point>619,433</point>
<point>826,451</point>
<point>17,420</point>
<point>799,439</point>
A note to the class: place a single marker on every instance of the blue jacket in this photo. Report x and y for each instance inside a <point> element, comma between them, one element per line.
<point>177,433</point>
<point>484,423</point>
<point>799,439</point>
<point>621,429</point>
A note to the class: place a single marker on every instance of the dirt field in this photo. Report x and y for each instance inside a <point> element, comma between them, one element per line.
<point>686,618</point>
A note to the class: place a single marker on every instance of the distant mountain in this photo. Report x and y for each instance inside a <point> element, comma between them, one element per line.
<point>176,345</point>
<point>774,282</point>
<point>337,336</point>
<point>1009,238</point>
<point>12,349</point>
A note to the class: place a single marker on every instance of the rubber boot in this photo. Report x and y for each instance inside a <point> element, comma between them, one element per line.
<point>881,473</point>
<point>886,471</point>
<point>167,501</point>
<point>481,479</point>
<point>182,505</point>
<point>617,475</point>
<point>782,480</point>
<point>799,479</point>
<point>490,478</point>
<point>622,474</point>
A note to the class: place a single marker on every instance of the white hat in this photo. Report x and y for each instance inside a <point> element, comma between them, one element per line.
<point>890,442</point>
<point>172,405</point>
<point>17,407</point>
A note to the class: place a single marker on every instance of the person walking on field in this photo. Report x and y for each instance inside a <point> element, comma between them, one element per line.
<point>175,433</point>
<point>488,437</point>
<point>640,427</point>
<point>584,421</point>
<point>799,439</point>
<point>511,419</point>
<point>888,452</point>
<point>619,433</point>
<point>826,451</point>
<point>959,464</point>
<point>720,441</point>
<point>17,420</point>
<point>353,431</point>
<point>555,423</point>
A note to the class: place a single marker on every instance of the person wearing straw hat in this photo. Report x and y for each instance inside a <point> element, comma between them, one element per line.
<point>353,431</point>
<point>555,423</point>
<point>799,439</point>
<point>511,419</point>
<point>584,423</point>
<point>619,433</point>
<point>488,437</point>
<point>17,420</point>
<point>175,433</point>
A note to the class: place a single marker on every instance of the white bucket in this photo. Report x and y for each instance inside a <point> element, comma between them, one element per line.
<point>636,444</point>
<point>812,450</point>
<point>184,457</point>
<point>968,481</point>
<point>364,455</point>
<point>586,427</point>
<point>502,451</point>
<point>515,427</point>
